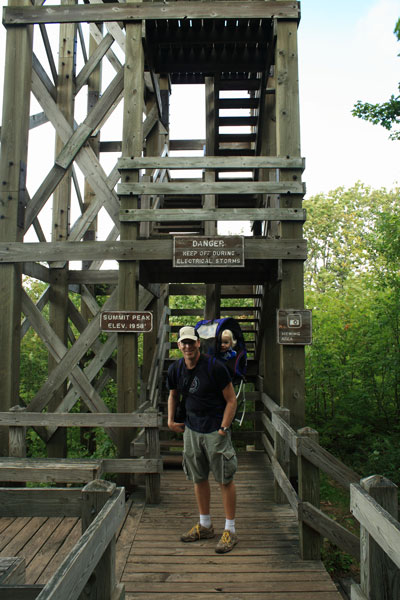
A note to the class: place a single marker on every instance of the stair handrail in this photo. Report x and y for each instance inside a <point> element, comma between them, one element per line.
<point>157,364</point>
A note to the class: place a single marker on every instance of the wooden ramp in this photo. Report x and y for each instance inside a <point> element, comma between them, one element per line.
<point>265,565</point>
<point>153,563</point>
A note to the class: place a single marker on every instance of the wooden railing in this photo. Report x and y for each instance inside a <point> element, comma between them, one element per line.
<point>156,370</point>
<point>18,468</point>
<point>373,502</point>
<point>154,384</point>
<point>90,566</point>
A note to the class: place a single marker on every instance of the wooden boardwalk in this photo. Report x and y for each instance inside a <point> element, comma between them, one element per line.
<point>154,564</point>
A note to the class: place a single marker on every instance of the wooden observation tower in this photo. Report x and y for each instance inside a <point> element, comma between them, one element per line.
<point>126,195</point>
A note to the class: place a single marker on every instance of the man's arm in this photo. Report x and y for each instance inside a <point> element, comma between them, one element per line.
<point>172,402</point>
<point>231,405</point>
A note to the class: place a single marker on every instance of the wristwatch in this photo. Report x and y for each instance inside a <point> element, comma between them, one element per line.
<point>224,429</point>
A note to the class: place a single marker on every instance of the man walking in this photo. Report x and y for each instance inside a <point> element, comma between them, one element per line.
<point>210,402</point>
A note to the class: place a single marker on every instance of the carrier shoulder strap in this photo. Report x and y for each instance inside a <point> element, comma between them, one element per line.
<point>178,369</point>
<point>210,366</point>
<point>186,387</point>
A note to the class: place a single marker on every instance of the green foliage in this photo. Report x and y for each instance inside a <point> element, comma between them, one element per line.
<point>337,562</point>
<point>339,225</point>
<point>386,114</point>
<point>335,502</point>
<point>353,287</point>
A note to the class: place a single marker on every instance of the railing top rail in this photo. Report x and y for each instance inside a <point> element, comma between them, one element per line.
<point>211,162</point>
<point>256,9</point>
<point>37,419</point>
<point>379,523</point>
<point>315,453</point>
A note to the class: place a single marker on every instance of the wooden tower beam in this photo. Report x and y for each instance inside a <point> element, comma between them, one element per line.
<point>292,362</point>
<point>14,148</point>
<point>58,299</point>
<point>128,283</point>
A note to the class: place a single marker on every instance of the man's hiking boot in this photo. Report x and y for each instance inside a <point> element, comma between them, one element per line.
<point>227,542</point>
<point>198,532</point>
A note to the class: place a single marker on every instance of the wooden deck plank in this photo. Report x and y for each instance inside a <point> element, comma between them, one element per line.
<point>127,535</point>
<point>37,538</point>
<point>264,565</point>
<point>332,595</point>
<point>11,532</point>
<point>53,544</point>
<point>154,564</point>
<point>70,540</point>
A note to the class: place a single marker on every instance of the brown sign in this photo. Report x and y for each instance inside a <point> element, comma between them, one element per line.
<point>210,251</point>
<point>126,321</point>
<point>294,326</point>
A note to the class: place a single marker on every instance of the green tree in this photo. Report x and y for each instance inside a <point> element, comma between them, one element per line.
<point>353,287</point>
<point>338,226</point>
<point>386,114</point>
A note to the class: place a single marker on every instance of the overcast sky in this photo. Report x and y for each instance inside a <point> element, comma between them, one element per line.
<point>347,52</point>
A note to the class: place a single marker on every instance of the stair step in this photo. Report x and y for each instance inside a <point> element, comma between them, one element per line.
<point>241,295</point>
<point>236,121</point>
<point>229,138</point>
<point>239,84</point>
<point>179,227</point>
<point>235,152</point>
<point>237,103</point>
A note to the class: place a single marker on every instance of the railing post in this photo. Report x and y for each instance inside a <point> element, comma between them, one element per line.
<point>153,480</point>
<point>101,584</point>
<point>310,540</point>
<point>379,576</point>
<point>282,455</point>
<point>16,437</point>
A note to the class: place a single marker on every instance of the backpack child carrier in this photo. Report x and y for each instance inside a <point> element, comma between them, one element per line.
<point>210,333</point>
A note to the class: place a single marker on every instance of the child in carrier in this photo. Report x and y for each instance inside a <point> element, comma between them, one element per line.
<point>227,344</point>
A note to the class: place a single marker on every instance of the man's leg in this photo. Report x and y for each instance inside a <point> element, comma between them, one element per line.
<point>203,495</point>
<point>204,529</point>
<point>228,491</point>
<point>229,538</point>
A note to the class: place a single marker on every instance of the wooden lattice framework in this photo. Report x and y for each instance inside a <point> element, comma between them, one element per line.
<point>250,47</point>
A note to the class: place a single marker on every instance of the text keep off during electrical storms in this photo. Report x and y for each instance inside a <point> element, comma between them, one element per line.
<point>209,251</point>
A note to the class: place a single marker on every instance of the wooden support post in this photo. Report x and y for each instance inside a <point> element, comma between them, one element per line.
<point>94,92</point>
<point>128,280</point>
<point>282,454</point>
<point>14,145</point>
<point>101,584</point>
<point>153,147</point>
<point>152,451</point>
<point>292,388</point>
<point>58,292</point>
<point>213,291</point>
<point>310,540</point>
<point>17,439</point>
<point>379,576</point>
<point>87,435</point>
<point>268,148</point>
<point>271,354</point>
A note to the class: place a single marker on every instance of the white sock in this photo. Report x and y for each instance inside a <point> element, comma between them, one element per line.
<point>205,520</point>
<point>230,525</point>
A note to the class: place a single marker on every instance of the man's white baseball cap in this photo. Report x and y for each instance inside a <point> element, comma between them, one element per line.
<point>188,333</point>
